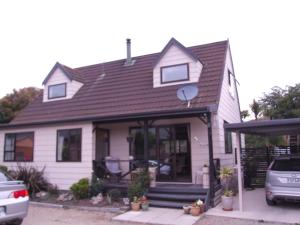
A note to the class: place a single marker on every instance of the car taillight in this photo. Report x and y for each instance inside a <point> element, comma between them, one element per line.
<point>20,193</point>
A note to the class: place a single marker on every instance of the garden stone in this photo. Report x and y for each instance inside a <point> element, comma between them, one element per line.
<point>97,199</point>
<point>65,197</point>
<point>42,195</point>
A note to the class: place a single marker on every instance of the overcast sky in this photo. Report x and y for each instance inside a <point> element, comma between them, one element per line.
<point>264,36</point>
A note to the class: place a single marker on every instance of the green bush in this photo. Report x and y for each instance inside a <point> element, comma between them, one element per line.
<point>97,186</point>
<point>32,177</point>
<point>139,185</point>
<point>3,168</point>
<point>114,195</point>
<point>80,189</point>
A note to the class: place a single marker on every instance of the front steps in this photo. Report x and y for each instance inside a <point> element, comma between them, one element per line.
<point>176,196</point>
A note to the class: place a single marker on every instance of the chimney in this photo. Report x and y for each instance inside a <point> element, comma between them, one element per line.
<point>129,60</point>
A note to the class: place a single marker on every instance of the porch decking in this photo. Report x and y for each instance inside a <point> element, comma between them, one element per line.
<point>170,195</point>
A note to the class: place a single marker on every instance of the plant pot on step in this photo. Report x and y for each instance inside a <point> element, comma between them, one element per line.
<point>195,211</point>
<point>227,203</point>
<point>145,206</point>
<point>135,206</point>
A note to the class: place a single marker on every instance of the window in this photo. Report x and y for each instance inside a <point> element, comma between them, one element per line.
<point>174,73</point>
<point>18,147</point>
<point>68,145</point>
<point>57,91</point>
<point>228,141</point>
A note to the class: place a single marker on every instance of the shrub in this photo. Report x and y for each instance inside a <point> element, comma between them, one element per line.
<point>3,168</point>
<point>97,186</point>
<point>80,189</point>
<point>32,177</point>
<point>139,185</point>
<point>114,195</point>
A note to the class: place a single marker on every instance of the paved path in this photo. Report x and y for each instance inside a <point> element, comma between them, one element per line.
<point>51,216</point>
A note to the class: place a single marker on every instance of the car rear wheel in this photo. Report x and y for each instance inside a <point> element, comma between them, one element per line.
<point>15,222</point>
<point>270,202</point>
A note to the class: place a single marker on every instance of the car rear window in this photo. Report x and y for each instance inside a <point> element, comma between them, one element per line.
<point>286,165</point>
<point>4,178</point>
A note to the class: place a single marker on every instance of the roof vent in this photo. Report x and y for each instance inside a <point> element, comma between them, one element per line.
<point>129,61</point>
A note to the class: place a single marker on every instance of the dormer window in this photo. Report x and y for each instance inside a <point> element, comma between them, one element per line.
<point>57,91</point>
<point>174,73</point>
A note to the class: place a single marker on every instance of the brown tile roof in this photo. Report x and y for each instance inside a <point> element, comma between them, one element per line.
<point>129,90</point>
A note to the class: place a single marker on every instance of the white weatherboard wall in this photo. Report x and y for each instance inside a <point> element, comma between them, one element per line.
<point>64,174</point>
<point>119,147</point>
<point>176,56</point>
<point>58,77</point>
<point>229,111</point>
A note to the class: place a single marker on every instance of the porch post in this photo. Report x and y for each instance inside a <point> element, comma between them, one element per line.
<point>211,160</point>
<point>146,152</point>
<point>239,168</point>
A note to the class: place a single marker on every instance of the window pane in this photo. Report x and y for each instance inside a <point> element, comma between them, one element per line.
<point>19,147</point>
<point>69,145</point>
<point>24,147</point>
<point>174,73</point>
<point>56,91</point>
<point>287,165</point>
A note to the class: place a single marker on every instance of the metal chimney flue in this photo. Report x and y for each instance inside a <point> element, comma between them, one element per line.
<point>129,60</point>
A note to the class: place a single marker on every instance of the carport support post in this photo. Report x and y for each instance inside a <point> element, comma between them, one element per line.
<point>146,136</point>
<point>239,168</point>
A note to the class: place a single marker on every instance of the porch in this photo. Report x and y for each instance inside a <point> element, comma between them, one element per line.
<point>178,145</point>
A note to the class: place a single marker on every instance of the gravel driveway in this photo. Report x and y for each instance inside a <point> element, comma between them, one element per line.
<point>52,216</point>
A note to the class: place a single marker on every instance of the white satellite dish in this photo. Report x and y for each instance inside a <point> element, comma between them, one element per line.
<point>187,93</point>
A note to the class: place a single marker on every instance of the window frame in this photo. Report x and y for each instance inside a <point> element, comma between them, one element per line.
<point>80,155</point>
<point>53,85</point>
<point>15,134</point>
<point>174,81</point>
<point>228,149</point>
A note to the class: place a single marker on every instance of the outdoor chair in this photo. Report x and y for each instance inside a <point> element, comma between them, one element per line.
<point>113,168</point>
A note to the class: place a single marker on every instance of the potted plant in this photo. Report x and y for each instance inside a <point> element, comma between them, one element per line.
<point>186,209</point>
<point>226,174</point>
<point>135,204</point>
<point>144,203</point>
<point>197,208</point>
<point>227,200</point>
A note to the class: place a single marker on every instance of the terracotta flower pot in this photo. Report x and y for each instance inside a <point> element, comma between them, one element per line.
<point>195,211</point>
<point>135,206</point>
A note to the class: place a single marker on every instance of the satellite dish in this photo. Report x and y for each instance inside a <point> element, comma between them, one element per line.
<point>187,93</point>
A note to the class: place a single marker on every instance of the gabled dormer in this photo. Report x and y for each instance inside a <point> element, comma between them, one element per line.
<point>176,65</point>
<point>61,83</point>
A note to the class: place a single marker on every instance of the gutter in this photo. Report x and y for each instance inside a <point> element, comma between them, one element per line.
<point>121,118</point>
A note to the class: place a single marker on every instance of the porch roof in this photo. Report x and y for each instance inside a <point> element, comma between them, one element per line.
<point>266,127</point>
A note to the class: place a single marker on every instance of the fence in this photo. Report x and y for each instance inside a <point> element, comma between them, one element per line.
<point>256,161</point>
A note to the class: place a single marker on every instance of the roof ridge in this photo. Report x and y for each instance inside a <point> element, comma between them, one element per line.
<point>151,54</point>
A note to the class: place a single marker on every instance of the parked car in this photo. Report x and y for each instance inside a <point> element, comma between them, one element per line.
<point>283,179</point>
<point>14,200</point>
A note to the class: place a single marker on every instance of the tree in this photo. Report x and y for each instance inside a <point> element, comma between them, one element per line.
<point>255,108</point>
<point>245,114</point>
<point>14,102</point>
<point>282,103</point>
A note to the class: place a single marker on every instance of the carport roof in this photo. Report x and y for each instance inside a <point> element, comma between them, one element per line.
<point>266,127</point>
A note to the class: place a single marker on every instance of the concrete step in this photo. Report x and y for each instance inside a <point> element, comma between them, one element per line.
<point>166,204</point>
<point>176,197</point>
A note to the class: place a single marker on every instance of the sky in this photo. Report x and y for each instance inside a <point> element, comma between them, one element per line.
<point>264,36</point>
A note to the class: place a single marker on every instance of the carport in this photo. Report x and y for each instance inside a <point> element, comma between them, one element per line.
<point>264,128</point>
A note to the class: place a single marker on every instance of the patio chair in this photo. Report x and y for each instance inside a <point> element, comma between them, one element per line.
<point>113,168</point>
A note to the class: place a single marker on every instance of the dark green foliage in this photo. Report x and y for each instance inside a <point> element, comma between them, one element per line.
<point>139,185</point>
<point>256,108</point>
<point>3,168</point>
<point>32,177</point>
<point>97,186</point>
<point>14,102</point>
<point>80,189</point>
<point>245,114</point>
<point>114,194</point>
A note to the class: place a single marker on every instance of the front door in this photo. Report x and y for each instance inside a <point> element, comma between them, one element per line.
<point>102,144</point>
<point>169,150</point>
<point>174,153</point>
